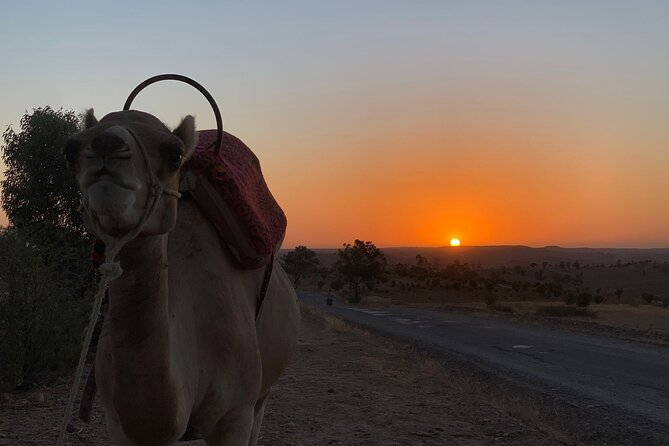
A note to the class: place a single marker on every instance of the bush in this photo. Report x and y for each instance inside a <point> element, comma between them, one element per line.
<point>649,298</point>
<point>42,305</point>
<point>584,298</point>
<point>560,311</point>
<point>490,299</point>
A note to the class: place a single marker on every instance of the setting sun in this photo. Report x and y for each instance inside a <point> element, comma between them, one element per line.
<point>455,242</point>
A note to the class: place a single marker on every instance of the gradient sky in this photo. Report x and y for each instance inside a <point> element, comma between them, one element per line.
<point>405,123</point>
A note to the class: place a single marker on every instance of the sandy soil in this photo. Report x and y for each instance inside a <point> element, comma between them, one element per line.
<point>345,387</point>
<point>644,317</point>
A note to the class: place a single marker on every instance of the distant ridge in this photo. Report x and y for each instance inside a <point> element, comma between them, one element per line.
<point>511,255</point>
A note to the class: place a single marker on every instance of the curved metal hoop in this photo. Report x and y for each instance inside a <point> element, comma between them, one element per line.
<point>192,83</point>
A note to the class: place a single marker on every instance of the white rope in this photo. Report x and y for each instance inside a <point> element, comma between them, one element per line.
<point>108,274</point>
<point>111,270</point>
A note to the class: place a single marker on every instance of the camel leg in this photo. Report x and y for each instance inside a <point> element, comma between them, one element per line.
<point>115,432</point>
<point>258,414</point>
<point>232,430</point>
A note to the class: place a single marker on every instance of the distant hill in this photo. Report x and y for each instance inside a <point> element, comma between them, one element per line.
<point>494,256</point>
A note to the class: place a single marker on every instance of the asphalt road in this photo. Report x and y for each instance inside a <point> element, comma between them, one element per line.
<point>624,380</point>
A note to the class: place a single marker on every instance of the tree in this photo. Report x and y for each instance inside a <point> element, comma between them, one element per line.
<point>619,294</point>
<point>45,271</point>
<point>39,194</point>
<point>401,269</point>
<point>360,265</point>
<point>38,188</point>
<point>42,310</point>
<point>299,263</point>
<point>598,296</point>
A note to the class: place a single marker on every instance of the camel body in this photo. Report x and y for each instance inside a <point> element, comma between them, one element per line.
<point>181,354</point>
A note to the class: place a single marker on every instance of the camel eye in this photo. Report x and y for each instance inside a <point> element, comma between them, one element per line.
<point>174,159</point>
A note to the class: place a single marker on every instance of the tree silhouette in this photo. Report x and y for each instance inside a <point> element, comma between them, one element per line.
<point>360,265</point>
<point>45,270</point>
<point>38,188</point>
<point>300,263</point>
<point>619,294</point>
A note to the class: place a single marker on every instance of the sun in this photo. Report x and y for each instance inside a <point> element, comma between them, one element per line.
<point>455,242</point>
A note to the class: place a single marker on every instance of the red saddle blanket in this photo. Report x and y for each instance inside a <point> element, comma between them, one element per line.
<point>231,189</point>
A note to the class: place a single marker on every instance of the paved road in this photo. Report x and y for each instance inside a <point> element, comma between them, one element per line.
<point>604,372</point>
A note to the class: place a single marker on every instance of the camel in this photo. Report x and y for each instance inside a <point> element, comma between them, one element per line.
<point>181,355</point>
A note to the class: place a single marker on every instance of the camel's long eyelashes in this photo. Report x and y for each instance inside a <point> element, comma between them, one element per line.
<point>174,159</point>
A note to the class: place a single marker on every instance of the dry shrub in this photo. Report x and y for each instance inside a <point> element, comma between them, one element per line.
<point>564,311</point>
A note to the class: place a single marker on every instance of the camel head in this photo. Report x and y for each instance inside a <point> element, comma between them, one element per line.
<point>119,160</point>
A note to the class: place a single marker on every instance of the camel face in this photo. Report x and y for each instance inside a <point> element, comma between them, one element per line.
<point>119,161</point>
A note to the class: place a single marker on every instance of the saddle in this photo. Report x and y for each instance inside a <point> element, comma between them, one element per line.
<point>231,190</point>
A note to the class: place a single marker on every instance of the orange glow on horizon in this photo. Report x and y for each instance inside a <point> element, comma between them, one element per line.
<point>511,178</point>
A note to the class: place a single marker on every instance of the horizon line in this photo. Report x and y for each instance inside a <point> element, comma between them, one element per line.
<point>492,246</point>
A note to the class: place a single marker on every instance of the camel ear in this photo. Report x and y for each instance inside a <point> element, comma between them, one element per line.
<point>186,133</point>
<point>89,119</point>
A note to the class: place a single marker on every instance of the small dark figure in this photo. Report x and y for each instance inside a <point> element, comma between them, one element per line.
<point>328,300</point>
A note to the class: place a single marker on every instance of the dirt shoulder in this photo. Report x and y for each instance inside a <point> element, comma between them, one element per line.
<point>350,387</point>
<point>344,387</point>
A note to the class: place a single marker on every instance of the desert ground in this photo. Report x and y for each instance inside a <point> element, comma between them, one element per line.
<point>344,387</point>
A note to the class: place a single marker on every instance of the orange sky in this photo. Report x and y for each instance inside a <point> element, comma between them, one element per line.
<point>536,123</point>
<point>533,170</point>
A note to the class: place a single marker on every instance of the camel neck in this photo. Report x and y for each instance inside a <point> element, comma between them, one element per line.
<point>140,338</point>
<point>140,293</point>
<point>138,311</point>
